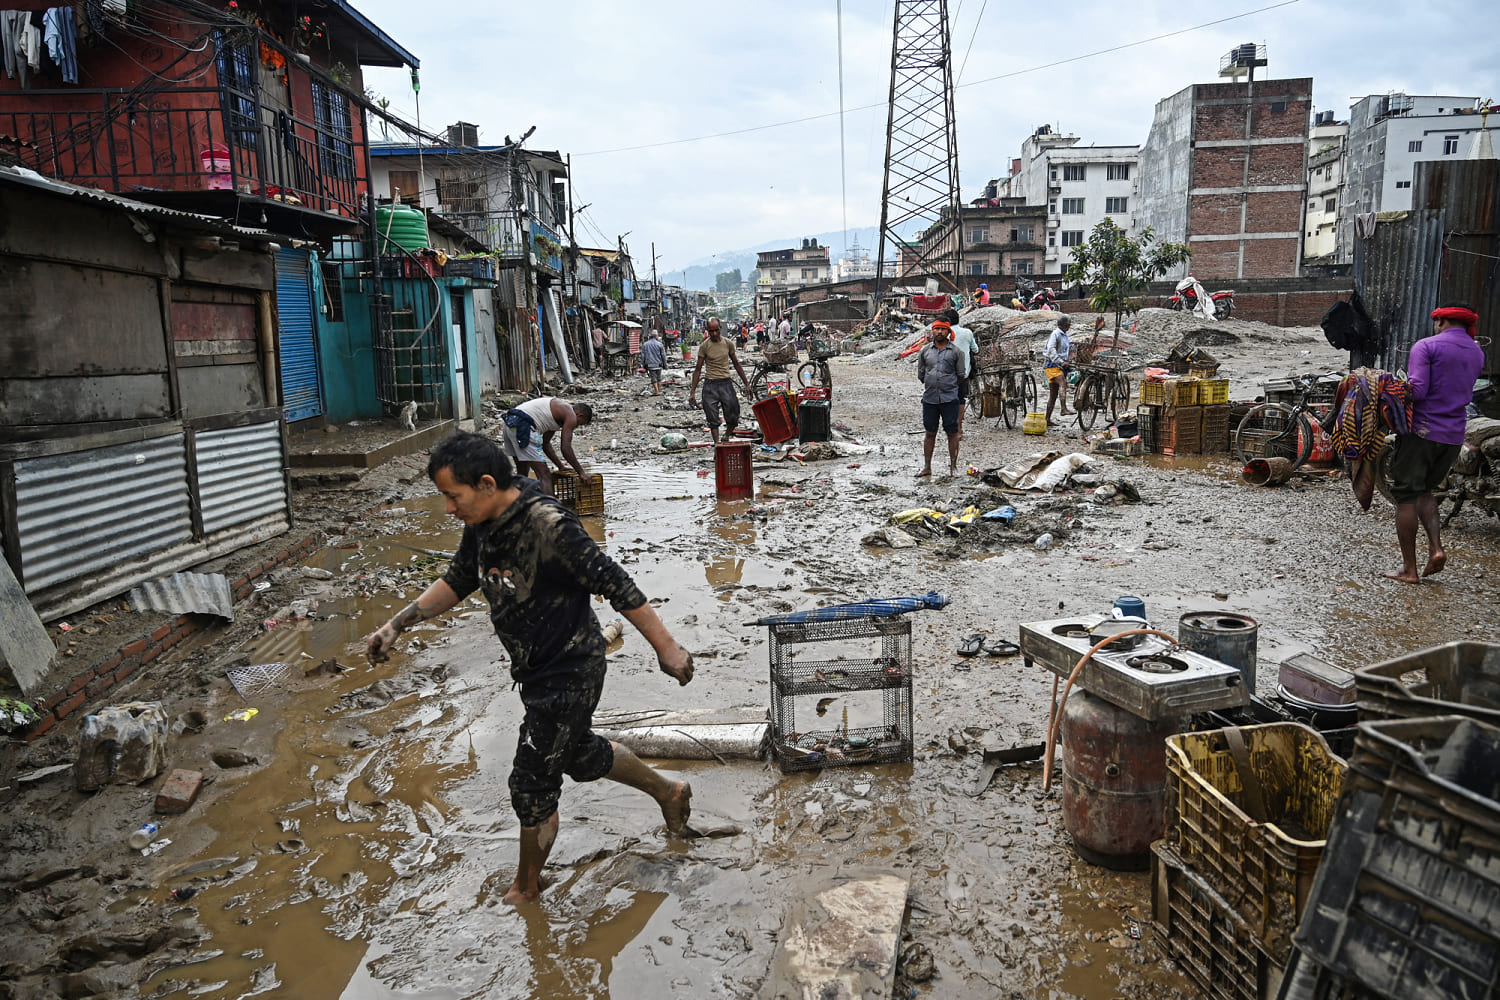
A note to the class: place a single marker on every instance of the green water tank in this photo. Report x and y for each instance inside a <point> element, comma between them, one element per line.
<point>402,225</point>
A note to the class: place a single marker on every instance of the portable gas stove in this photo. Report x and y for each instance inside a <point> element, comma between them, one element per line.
<point>1145,675</point>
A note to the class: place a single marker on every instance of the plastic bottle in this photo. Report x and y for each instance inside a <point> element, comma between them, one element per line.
<point>613,630</point>
<point>144,834</point>
<point>1044,542</point>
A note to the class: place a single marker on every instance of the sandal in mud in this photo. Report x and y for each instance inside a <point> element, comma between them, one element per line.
<point>1001,647</point>
<point>971,644</point>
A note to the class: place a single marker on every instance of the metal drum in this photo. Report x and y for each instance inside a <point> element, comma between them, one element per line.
<point>1228,638</point>
<point>1114,790</point>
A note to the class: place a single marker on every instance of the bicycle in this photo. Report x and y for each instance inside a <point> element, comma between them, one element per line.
<point>1103,386</point>
<point>1276,430</point>
<point>773,361</point>
<point>815,371</point>
<point>1016,388</point>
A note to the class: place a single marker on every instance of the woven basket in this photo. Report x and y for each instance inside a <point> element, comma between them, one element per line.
<point>781,352</point>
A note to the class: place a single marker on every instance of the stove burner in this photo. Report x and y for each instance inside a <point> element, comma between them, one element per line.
<point>1156,664</point>
<point>1073,630</point>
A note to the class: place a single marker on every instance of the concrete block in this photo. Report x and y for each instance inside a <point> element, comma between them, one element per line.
<point>179,791</point>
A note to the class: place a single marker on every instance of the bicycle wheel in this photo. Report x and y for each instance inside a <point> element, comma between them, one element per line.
<point>1088,401</point>
<point>1030,394</point>
<point>976,397</point>
<point>1012,403</point>
<point>811,374</point>
<point>1274,430</point>
<point>758,384</point>
<point>1119,396</point>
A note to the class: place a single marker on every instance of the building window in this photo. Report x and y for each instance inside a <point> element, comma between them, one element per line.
<point>1020,234</point>
<point>1415,146</point>
<point>333,291</point>
<point>979,234</point>
<point>1115,206</point>
<point>976,267</point>
<point>1072,206</point>
<point>238,95</point>
<point>1020,265</point>
<point>1052,173</point>
<point>1403,184</point>
<point>1052,206</point>
<point>1450,145</point>
<point>1312,206</point>
<point>808,272</point>
<point>1277,107</point>
<point>1117,172</point>
<point>1073,238</point>
<point>1073,171</point>
<point>335,132</point>
<point>1329,204</point>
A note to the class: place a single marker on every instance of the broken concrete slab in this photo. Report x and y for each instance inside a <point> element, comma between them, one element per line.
<point>25,646</point>
<point>841,941</point>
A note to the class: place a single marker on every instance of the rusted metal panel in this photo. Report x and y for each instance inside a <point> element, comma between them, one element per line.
<point>1397,272</point>
<point>82,512</point>
<point>1468,194</point>
<point>240,475</point>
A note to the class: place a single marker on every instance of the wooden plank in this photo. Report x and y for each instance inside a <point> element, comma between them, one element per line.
<point>25,646</point>
<point>225,267</point>
<point>842,939</point>
<point>86,399</point>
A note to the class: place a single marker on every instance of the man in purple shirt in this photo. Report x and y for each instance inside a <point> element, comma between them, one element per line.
<point>1441,370</point>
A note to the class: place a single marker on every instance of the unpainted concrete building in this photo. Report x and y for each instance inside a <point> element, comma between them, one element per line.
<point>1223,171</point>
<point>1325,180</point>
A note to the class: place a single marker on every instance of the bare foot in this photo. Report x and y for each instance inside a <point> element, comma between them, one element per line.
<point>925,473</point>
<point>1435,563</point>
<point>1405,576</point>
<point>515,895</point>
<point>678,808</point>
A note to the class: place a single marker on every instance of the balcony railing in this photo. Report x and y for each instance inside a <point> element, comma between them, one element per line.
<point>185,140</point>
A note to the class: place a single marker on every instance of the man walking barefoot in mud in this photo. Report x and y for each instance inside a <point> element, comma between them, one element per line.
<point>538,568</point>
<point>1442,370</point>
<point>715,355</point>
<point>939,369</point>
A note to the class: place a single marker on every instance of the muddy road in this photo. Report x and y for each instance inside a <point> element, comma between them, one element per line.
<point>364,851</point>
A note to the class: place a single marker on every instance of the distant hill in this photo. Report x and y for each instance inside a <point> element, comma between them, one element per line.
<point>701,272</point>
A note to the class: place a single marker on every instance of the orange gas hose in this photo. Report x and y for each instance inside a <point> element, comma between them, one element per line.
<point>1054,721</point>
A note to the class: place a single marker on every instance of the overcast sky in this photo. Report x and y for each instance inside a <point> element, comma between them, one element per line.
<point>595,76</point>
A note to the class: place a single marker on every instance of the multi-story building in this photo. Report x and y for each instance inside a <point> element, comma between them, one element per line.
<point>1222,170</point>
<point>782,271</point>
<point>1325,178</point>
<point>1003,239</point>
<point>1080,186</point>
<point>1388,134</point>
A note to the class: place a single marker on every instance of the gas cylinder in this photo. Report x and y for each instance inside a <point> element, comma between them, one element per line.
<point>1114,789</point>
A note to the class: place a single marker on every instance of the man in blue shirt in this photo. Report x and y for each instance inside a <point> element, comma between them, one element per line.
<point>654,357</point>
<point>939,369</point>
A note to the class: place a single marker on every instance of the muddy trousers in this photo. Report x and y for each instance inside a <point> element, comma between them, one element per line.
<point>556,740</point>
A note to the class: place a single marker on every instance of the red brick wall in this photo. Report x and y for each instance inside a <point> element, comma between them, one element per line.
<point>1291,308</point>
<point>1271,258</point>
<point>1273,212</point>
<point>1278,164</point>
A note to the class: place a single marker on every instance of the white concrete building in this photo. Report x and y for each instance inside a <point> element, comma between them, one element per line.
<point>1388,135</point>
<point>1325,179</point>
<point>1080,185</point>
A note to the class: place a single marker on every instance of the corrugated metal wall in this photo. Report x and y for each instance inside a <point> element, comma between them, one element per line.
<point>1397,272</point>
<point>518,358</point>
<point>86,511</point>
<point>240,475</point>
<point>1468,193</point>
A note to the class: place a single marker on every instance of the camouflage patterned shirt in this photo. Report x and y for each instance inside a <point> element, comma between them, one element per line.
<point>538,568</point>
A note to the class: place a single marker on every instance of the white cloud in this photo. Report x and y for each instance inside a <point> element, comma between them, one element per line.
<point>594,75</point>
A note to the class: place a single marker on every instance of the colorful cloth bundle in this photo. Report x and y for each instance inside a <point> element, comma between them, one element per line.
<point>1369,403</point>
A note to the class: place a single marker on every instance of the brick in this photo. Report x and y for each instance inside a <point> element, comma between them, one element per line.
<point>71,705</point>
<point>109,664</point>
<point>57,697</point>
<point>44,725</point>
<point>130,666</point>
<point>151,654</point>
<point>78,683</point>
<point>99,685</point>
<point>160,633</point>
<point>179,791</point>
<point>134,648</point>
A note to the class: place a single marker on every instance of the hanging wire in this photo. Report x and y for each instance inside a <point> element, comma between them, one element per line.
<point>843,168</point>
<point>978,19</point>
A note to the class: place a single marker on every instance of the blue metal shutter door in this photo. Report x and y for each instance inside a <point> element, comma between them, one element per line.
<point>297,346</point>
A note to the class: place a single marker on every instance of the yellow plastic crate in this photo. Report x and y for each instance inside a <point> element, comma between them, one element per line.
<point>1212,391</point>
<point>1153,393</point>
<point>570,492</point>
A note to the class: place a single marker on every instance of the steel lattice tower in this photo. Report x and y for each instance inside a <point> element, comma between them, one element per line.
<point>921,147</point>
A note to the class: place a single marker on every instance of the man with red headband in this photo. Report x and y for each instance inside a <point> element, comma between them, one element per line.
<point>1441,370</point>
<point>939,369</point>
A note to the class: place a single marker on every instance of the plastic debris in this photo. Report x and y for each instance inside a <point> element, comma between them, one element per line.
<point>242,715</point>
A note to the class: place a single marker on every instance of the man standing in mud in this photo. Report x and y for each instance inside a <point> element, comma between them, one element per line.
<point>538,568</point>
<point>1442,369</point>
<point>939,369</point>
<point>715,355</point>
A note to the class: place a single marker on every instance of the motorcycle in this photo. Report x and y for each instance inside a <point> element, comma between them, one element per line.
<point>1029,297</point>
<point>1189,290</point>
<point>1475,476</point>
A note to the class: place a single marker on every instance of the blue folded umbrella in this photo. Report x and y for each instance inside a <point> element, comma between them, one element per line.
<point>883,607</point>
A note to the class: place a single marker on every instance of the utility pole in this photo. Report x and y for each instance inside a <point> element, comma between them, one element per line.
<point>921,147</point>
<point>656,288</point>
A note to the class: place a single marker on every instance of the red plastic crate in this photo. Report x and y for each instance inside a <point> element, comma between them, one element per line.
<point>777,420</point>
<point>814,392</point>
<point>733,475</point>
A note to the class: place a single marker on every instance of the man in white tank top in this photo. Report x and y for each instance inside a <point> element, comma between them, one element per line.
<point>528,435</point>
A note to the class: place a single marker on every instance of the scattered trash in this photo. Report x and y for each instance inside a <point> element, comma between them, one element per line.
<point>64,627</point>
<point>262,586</point>
<point>317,573</point>
<point>154,847</point>
<point>1266,471</point>
<point>184,893</point>
<point>329,666</point>
<point>393,512</point>
<point>1043,542</point>
<point>674,442</point>
<point>186,593</point>
<point>242,715</point>
<point>1004,515</point>
<point>917,964</point>
<point>257,678</point>
<point>143,835</point>
<point>893,538</point>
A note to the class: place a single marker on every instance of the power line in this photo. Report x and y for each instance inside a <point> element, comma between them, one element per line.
<point>843,169</point>
<point>963,65</point>
<point>989,79</point>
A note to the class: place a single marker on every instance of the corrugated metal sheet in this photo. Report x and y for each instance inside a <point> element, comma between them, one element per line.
<point>240,474</point>
<point>1468,193</point>
<point>301,387</point>
<point>29,178</point>
<point>1397,272</point>
<point>184,594</point>
<point>86,511</point>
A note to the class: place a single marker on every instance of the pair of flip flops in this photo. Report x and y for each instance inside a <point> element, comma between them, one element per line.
<point>973,645</point>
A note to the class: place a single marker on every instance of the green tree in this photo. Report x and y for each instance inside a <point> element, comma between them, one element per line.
<point>727,281</point>
<point>1115,267</point>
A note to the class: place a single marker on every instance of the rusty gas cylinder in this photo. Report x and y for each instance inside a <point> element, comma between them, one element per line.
<point>1114,789</point>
